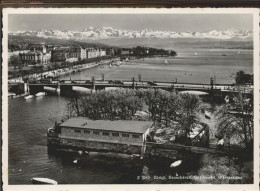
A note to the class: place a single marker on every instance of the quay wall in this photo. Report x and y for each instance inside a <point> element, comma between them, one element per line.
<point>162,153</point>
<point>151,151</point>
<point>58,143</point>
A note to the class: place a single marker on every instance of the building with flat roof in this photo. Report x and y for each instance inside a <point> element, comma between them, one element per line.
<point>120,136</point>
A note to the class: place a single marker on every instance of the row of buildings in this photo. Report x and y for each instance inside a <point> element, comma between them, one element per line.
<point>40,54</point>
<point>75,54</point>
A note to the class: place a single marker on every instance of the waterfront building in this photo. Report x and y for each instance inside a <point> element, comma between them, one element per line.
<point>102,52</point>
<point>36,56</point>
<point>68,54</point>
<point>125,52</point>
<point>82,53</point>
<point>92,53</point>
<point>110,51</point>
<point>120,136</point>
<point>75,54</point>
<point>59,54</point>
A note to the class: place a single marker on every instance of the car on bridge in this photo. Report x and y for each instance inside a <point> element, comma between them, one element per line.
<point>118,82</point>
<point>88,82</point>
<point>115,82</point>
<point>152,83</point>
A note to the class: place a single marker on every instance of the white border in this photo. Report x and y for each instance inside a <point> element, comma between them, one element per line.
<point>236,187</point>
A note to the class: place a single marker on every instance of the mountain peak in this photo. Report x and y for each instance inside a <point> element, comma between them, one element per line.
<point>91,32</point>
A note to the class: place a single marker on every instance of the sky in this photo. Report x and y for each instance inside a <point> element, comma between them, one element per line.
<point>162,22</point>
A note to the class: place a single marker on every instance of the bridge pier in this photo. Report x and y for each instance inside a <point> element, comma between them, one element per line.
<point>93,89</point>
<point>26,88</point>
<point>58,88</point>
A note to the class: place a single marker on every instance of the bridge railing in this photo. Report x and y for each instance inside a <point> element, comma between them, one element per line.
<point>188,86</point>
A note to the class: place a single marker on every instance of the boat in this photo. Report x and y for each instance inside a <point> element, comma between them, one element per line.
<point>166,62</point>
<point>28,97</point>
<point>40,94</point>
<point>11,94</point>
<point>17,96</point>
<point>238,52</point>
<point>176,163</point>
<point>44,181</point>
<point>195,54</point>
<point>207,115</point>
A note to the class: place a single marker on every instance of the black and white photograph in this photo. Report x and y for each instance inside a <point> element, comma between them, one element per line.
<point>130,97</point>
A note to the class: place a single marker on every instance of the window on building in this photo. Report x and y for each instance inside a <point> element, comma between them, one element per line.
<point>105,133</point>
<point>77,131</point>
<point>135,136</point>
<point>125,135</point>
<point>115,134</point>
<point>87,131</point>
<point>96,132</point>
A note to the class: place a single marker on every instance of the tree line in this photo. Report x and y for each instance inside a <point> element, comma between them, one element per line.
<point>123,104</point>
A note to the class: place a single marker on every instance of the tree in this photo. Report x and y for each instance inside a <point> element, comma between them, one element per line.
<point>15,61</point>
<point>173,53</point>
<point>189,105</point>
<point>236,118</point>
<point>242,78</point>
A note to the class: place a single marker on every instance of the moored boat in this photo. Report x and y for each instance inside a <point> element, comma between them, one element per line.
<point>40,94</point>
<point>11,94</point>
<point>28,97</point>
<point>44,181</point>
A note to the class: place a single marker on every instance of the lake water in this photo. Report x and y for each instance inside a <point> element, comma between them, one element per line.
<point>185,67</point>
<point>28,155</point>
<point>30,119</point>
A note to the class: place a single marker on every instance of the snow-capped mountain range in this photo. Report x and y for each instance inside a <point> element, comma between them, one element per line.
<point>94,33</point>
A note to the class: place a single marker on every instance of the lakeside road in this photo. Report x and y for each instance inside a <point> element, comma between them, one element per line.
<point>62,71</point>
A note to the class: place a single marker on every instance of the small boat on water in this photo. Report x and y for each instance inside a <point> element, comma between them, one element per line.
<point>17,96</point>
<point>166,62</point>
<point>176,163</point>
<point>28,97</point>
<point>195,54</point>
<point>11,94</point>
<point>40,94</point>
<point>44,181</point>
<point>207,115</point>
